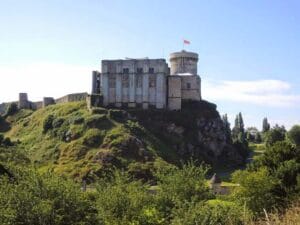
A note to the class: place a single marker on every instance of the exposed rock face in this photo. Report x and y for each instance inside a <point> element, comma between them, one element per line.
<point>209,143</point>
<point>196,132</point>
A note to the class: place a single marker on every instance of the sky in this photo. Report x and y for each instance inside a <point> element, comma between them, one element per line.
<point>249,51</point>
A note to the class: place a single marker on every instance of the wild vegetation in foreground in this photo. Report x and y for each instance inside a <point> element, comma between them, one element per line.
<point>31,193</point>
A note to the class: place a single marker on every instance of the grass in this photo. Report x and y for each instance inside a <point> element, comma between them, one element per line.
<point>256,150</point>
<point>75,139</point>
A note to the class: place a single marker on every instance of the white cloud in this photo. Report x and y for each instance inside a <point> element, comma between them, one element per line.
<point>260,92</point>
<point>43,79</point>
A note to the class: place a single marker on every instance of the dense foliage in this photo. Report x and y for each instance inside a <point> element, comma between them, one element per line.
<point>125,173</point>
<point>294,135</point>
<point>37,199</point>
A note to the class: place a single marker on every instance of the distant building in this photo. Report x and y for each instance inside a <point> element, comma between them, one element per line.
<point>148,82</point>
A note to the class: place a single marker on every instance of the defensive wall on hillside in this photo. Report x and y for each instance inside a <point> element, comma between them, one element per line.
<point>25,103</point>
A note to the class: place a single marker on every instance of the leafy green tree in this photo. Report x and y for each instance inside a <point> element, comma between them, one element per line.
<point>275,134</point>
<point>123,201</point>
<point>294,135</point>
<point>283,162</point>
<point>179,186</point>
<point>265,125</point>
<point>35,199</point>
<point>227,128</point>
<point>257,189</point>
<point>238,131</point>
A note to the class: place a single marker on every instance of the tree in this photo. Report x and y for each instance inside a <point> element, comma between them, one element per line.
<point>238,131</point>
<point>179,186</point>
<point>256,190</point>
<point>227,128</point>
<point>265,125</point>
<point>294,135</point>
<point>283,162</point>
<point>44,199</point>
<point>275,134</point>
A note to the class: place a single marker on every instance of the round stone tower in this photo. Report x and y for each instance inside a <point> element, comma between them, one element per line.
<point>184,63</point>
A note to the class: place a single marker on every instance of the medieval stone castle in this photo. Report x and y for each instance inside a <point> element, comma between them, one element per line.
<point>149,82</point>
<point>145,83</point>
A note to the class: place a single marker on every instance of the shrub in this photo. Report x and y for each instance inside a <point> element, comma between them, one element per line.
<point>44,199</point>
<point>122,201</point>
<point>179,186</point>
<point>1,138</point>
<point>47,124</point>
<point>99,111</point>
<point>7,142</point>
<point>118,115</point>
<point>93,137</point>
<point>76,120</point>
<point>209,213</point>
<point>57,122</point>
<point>95,121</point>
<point>257,190</point>
<point>294,135</point>
<point>274,135</point>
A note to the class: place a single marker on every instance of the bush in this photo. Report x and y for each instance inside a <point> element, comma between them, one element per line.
<point>283,162</point>
<point>95,121</point>
<point>1,138</point>
<point>122,201</point>
<point>44,199</point>
<point>57,122</point>
<point>180,186</point>
<point>99,111</point>
<point>47,124</point>
<point>274,135</point>
<point>7,142</point>
<point>294,135</point>
<point>257,190</point>
<point>210,213</point>
<point>76,120</point>
<point>118,115</point>
<point>93,138</point>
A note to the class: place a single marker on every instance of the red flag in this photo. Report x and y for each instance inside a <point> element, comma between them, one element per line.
<point>186,42</point>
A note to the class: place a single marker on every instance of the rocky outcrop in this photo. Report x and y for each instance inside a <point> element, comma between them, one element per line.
<point>196,131</point>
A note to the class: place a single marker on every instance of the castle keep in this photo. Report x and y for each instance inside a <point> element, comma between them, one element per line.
<point>148,82</point>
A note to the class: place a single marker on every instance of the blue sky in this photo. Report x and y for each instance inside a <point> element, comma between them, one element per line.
<point>249,51</point>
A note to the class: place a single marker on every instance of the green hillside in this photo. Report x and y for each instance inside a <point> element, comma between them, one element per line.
<point>72,141</point>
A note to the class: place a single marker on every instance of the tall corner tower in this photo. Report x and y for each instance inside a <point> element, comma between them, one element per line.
<point>184,82</point>
<point>183,63</point>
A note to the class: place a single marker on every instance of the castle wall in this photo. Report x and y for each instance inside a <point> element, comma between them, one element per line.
<point>174,92</point>
<point>190,88</point>
<point>72,98</point>
<point>134,81</point>
<point>96,82</point>
<point>48,101</point>
<point>37,105</point>
<point>145,97</point>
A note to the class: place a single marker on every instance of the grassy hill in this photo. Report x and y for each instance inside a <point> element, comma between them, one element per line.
<point>72,141</point>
